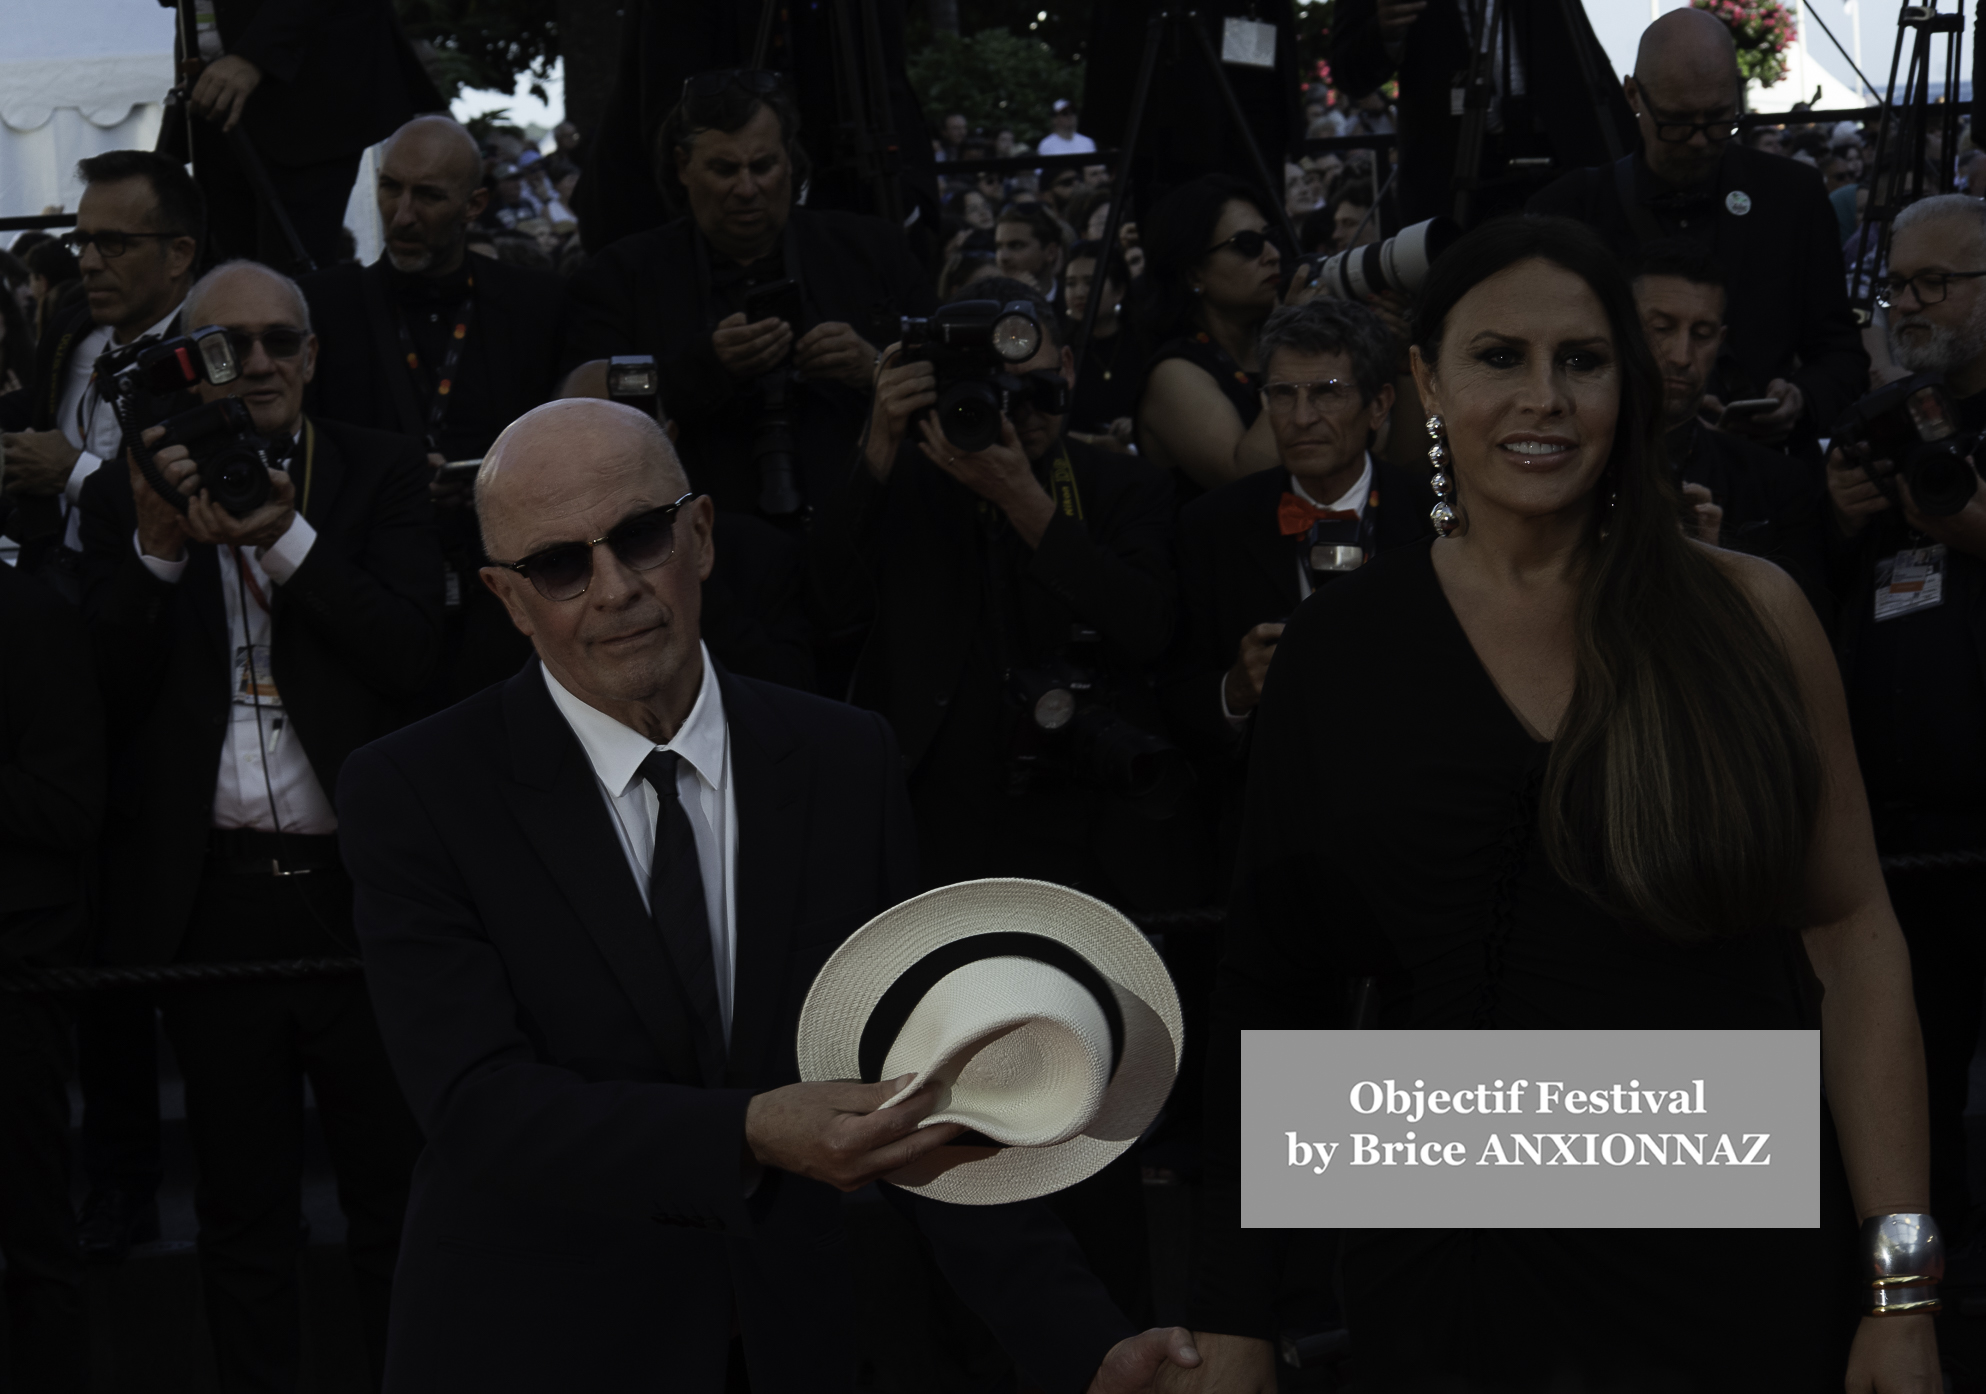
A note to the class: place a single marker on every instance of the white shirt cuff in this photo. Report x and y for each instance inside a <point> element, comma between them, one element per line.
<point>85,466</point>
<point>286,554</point>
<point>1237,722</point>
<point>167,571</point>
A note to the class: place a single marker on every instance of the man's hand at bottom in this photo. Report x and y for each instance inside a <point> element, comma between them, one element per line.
<point>1141,1364</point>
<point>839,1132</point>
<point>1223,1365</point>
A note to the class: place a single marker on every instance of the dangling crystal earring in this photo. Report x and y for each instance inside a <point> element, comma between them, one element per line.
<point>1442,515</point>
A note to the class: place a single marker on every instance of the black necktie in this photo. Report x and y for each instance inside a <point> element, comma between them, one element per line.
<point>682,916</point>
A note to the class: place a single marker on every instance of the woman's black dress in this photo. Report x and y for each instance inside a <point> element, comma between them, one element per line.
<point>1242,388</point>
<point>1392,830</point>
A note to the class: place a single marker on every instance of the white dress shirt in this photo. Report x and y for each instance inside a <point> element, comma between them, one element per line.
<point>86,420</point>
<point>1053,144</point>
<point>265,781</point>
<point>1353,498</point>
<point>704,786</point>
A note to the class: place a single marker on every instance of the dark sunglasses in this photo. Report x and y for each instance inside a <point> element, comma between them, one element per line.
<point>279,342</point>
<point>109,244</point>
<point>1249,243</point>
<point>641,543</point>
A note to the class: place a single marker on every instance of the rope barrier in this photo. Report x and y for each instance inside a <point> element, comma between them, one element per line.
<point>164,976</point>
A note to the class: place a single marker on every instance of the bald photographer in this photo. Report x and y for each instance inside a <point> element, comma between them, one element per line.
<point>264,590</point>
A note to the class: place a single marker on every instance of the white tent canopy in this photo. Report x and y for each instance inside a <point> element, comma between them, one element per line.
<point>79,77</point>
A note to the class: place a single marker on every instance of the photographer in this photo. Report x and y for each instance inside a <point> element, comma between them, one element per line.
<point>1739,495</point>
<point>1250,552</point>
<point>1912,591</point>
<point>137,239</point>
<point>762,316</point>
<point>975,566</point>
<point>244,657</point>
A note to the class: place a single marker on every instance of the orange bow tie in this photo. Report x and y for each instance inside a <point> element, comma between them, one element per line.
<point>1295,515</point>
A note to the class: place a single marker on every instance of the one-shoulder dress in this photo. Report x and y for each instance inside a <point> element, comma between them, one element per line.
<point>1392,831</point>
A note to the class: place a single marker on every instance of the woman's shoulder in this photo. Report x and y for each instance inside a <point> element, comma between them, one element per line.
<point>1776,595</point>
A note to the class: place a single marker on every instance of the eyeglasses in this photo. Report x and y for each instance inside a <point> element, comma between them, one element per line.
<point>1248,242</point>
<point>1328,396</point>
<point>109,244</point>
<point>1930,287</point>
<point>1674,132</point>
<point>280,342</point>
<point>641,543</point>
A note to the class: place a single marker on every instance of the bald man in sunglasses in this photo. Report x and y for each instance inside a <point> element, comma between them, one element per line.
<point>243,658</point>
<point>592,901</point>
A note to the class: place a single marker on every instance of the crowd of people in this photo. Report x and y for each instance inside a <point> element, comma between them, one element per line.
<point>1064,578</point>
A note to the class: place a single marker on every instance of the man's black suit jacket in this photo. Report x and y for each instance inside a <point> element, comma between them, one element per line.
<point>644,295</point>
<point>356,633</point>
<point>51,773</point>
<point>1786,298</point>
<point>514,342</point>
<point>580,1218</point>
<point>1236,570</point>
<point>336,78</point>
<point>905,558</point>
<point>1570,120</point>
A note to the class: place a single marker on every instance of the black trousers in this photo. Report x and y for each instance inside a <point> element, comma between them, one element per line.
<point>44,1285</point>
<point>241,224</point>
<point>1943,914</point>
<point>245,1051</point>
<point>117,1067</point>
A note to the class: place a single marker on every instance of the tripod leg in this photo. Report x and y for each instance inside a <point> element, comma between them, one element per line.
<point>251,165</point>
<point>1270,186</point>
<point>1120,184</point>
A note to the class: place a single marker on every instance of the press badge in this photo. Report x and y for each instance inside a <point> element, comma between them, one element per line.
<point>1913,579</point>
<point>254,679</point>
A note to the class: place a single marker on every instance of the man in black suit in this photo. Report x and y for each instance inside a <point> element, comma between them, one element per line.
<point>980,572</point>
<point>1741,495</point>
<point>244,658</point>
<point>138,235</point>
<point>1251,552</point>
<point>1553,94</point>
<point>312,85</point>
<point>1766,221</point>
<point>433,343</point>
<point>592,902</point>
<point>51,810</point>
<point>747,299</point>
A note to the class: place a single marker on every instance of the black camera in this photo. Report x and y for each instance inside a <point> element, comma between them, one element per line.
<point>975,345</point>
<point>151,384</point>
<point>1910,430</point>
<point>1065,701</point>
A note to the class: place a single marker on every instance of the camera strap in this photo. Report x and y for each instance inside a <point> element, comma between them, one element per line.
<point>1062,484</point>
<point>451,359</point>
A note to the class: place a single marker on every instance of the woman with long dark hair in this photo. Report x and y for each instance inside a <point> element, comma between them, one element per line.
<point>1211,279</point>
<point>1606,781</point>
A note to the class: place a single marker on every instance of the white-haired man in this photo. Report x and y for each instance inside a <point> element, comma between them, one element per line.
<point>245,657</point>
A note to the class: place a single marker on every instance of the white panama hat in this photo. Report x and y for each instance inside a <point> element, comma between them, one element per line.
<point>1051,1025</point>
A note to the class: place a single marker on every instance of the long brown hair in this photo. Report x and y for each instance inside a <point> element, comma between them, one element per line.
<point>1682,788</point>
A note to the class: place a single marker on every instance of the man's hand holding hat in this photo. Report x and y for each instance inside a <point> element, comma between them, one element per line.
<point>839,1132</point>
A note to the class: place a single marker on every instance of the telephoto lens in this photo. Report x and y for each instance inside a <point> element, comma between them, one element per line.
<point>1398,264</point>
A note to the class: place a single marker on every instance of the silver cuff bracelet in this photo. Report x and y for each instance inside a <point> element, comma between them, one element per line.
<point>1906,1259</point>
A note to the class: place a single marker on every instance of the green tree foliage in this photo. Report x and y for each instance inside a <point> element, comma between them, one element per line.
<point>484,44</point>
<point>996,78</point>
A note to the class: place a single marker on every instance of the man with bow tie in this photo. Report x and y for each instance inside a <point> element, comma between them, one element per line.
<point>1251,552</point>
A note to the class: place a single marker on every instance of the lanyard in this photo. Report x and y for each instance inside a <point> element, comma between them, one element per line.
<point>450,360</point>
